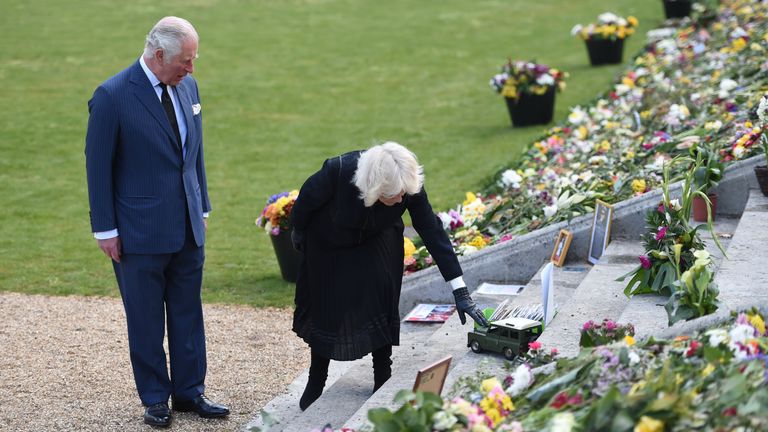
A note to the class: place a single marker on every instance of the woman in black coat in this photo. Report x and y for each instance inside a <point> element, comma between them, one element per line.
<point>348,223</point>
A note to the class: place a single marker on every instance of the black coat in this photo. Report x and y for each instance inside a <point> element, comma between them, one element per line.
<point>348,289</point>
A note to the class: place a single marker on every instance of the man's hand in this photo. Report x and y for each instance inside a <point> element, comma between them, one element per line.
<point>465,304</point>
<point>111,247</point>
<point>205,224</point>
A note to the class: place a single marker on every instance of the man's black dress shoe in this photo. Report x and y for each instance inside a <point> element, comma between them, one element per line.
<point>158,415</point>
<point>202,406</point>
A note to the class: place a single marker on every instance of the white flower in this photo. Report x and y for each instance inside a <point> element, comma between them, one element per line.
<point>607,18</point>
<point>633,358</point>
<point>762,109</point>
<point>550,211</point>
<point>510,178</point>
<point>522,378</point>
<point>443,420</point>
<point>738,152</point>
<point>741,333</point>
<point>717,336</point>
<point>715,125</point>
<point>577,116</point>
<point>545,80</point>
<point>446,219</point>
<point>621,89</point>
<point>576,29</point>
<point>675,204</point>
<point>726,86</point>
<point>562,422</point>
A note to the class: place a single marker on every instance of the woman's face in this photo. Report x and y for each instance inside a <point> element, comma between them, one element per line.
<point>390,201</point>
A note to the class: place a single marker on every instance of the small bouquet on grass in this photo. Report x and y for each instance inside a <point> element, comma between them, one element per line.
<point>608,26</point>
<point>518,77</point>
<point>276,216</point>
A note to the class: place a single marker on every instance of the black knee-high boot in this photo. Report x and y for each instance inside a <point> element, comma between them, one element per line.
<point>318,373</point>
<point>382,363</point>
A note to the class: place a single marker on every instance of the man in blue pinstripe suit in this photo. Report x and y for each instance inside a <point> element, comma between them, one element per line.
<point>149,203</point>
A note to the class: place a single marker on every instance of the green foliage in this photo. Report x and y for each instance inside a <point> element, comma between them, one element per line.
<point>415,414</point>
<point>695,293</point>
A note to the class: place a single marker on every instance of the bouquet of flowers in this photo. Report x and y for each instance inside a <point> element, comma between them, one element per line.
<point>609,331</point>
<point>276,216</point>
<point>608,26</point>
<point>518,77</point>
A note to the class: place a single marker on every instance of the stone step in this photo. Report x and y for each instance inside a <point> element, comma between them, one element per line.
<point>743,277</point>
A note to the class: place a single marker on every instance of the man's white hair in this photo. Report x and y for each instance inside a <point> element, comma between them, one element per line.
<point>168,35</point>
<point>387,170</point>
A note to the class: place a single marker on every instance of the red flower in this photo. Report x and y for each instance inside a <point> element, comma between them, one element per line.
<point>560,400</point>
<point>534,345</point>
<point>729,412</point>
<point>693,348</point>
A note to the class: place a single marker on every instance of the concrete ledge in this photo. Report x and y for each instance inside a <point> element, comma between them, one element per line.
<point>517,260</point>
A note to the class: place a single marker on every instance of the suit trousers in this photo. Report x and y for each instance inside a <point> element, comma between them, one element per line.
<point>157,289</point>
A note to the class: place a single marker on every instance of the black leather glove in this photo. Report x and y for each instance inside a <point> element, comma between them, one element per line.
<point>465,304</point>
<point>297,238</point>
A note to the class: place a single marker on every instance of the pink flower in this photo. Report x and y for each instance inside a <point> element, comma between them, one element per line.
<point>661,208</point>
<point>645,261</point>
<point>553,352</point>
<point>534,345</point>
<point>662,233</point>
<point>610,325</point>
<point>588,325</point>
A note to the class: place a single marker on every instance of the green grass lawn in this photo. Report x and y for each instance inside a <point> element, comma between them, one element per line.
<point>284,84</point>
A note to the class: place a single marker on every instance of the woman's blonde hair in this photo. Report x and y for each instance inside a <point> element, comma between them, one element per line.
<point>386,170</point>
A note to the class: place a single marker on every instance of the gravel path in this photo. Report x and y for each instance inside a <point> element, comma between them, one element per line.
<point>64,364</point>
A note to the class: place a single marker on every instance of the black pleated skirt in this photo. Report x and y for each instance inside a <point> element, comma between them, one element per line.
<point>348,289</point>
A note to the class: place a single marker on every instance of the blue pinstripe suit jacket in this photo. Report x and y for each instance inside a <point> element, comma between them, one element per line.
<point>137,181</point>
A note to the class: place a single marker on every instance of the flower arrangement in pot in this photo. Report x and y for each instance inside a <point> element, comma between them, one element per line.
<point>605,38</point>
<point>275,220</point>
<point>529,90</point>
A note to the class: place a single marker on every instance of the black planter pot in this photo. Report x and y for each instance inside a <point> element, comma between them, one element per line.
<point>677,8</point>
<point>288,258</point>
<point>605,51</point>
<point>762,178</point>
<point>530,109</point>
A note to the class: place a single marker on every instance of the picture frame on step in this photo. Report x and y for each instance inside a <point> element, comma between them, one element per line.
<point>601,231</point>
<point>562,243</point>
<point>431,378</point>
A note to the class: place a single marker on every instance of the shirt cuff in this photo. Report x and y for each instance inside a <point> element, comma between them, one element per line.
<point>457,283</point>
<point>105,235</point>
<point>205,215</point>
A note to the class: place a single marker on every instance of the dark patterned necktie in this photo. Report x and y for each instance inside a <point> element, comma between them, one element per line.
<point>169,111</point>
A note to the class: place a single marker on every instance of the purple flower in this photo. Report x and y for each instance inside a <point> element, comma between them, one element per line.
<point>661,234</point>
<point>645,262</point>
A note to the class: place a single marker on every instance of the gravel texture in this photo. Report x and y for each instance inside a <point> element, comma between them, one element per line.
<point>64,364</point>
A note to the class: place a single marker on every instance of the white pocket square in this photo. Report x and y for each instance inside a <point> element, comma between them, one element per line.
<point>196,108</point>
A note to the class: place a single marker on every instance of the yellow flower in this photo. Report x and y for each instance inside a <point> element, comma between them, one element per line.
<point>582,132</point>
<point>636,387</point>
<point>489,384</point>
<point>708,370</point>
<point>629,340</point>
<point>506,403</point>
<point>478,241</point>
<point>470,198</point>
<point>757,322</point>
<point>638,185</point>
<point>645,114</point>
<point>408,247</point>
<point>604,146</point>
<point>748,124</point>
<point>649,424</point>
<point>739,44</point>
<point>632,21</point>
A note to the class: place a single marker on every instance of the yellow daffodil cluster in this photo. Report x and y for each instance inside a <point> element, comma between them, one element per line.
<point>609,26</point>
<point>408,247</point>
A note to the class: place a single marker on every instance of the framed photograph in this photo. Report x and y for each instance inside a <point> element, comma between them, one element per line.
<point>431,378</point>
<point>561,247</point>
<point>601,231</point>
